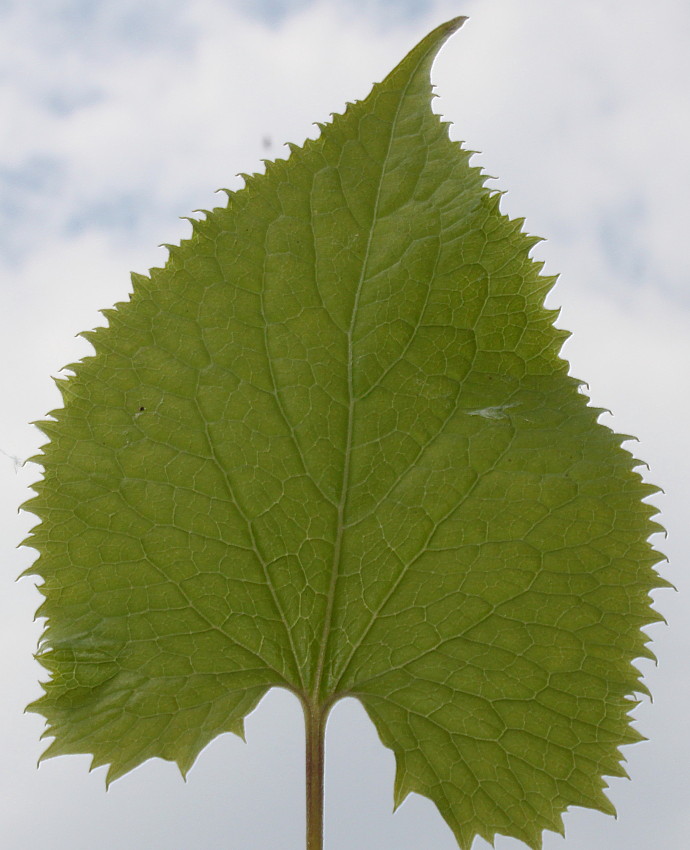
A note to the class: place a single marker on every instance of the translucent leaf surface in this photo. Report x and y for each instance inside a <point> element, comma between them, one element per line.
<point>331,447</point>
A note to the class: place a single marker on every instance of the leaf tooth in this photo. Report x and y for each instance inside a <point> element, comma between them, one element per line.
<point>627,438</point>
<point>155,272</point>
<point>111,313</point>
<point>559,826</point>
<point>640,688</point>
<point>139,280</point>
<point>645,652</point>
<point>640,463</point>
<point>41,611</point>
<point>25,504</point>
<point>38,460</point>
<point>561,335</point>
<point>517,224</point>
<point>548,281</point>
<point>32,535</point>
<point>68,371</point>
<point>470,153</point>
<point>48,427</point>
<point>58,746</point>
<point>402,786</point>
<point>229,193</point>
<point>40,423</point>
<point>532,241</point>
<point>237,728</point>
<point>494,198</point>
<point>601,802</point>
<point>660,583</point>
<point>196,224</point>
<point>31,570</point>
<point>171,249</point>
<point>91,336</point>
<point>184,761</point>
<point>97,761</point>
<point>648,489</point>
<point>112,774</point>
<point>599,411</point>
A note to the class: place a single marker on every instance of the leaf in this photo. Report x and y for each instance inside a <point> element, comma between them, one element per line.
<point>331,447</point>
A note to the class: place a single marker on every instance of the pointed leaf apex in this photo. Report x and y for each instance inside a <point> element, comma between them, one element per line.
<point>421,57</point>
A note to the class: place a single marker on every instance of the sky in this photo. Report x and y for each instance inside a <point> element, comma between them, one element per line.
<point>118,117</point>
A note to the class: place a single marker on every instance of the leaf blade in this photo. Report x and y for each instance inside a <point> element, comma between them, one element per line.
<point>332,447</point>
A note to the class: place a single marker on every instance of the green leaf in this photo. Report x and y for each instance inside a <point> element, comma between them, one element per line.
<point>331,447</point>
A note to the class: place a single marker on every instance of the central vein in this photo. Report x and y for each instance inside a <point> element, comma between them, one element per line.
<point>352,400</point>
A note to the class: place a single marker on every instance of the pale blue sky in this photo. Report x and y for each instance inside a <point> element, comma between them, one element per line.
<point>120,116</point>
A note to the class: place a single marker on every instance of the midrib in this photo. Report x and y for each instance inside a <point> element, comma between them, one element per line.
<point>342,502</point>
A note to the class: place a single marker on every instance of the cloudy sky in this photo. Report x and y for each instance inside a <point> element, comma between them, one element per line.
<point>120,116</point>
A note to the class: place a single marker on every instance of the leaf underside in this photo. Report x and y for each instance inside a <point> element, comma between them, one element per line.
<point>331,446</point>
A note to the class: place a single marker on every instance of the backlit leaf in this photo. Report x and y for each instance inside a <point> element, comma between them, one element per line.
<point>332,447</point>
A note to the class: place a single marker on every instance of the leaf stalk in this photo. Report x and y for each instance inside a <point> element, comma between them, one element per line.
<point>315,715</point>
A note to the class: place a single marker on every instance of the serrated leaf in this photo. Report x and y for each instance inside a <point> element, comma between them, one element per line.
<point>332,447</point>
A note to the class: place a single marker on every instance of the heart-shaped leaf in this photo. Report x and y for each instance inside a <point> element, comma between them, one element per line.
<point>331,447</point>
